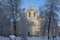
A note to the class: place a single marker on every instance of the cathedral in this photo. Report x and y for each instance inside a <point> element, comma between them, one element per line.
<point>32,17</point>
<point>38,28</point>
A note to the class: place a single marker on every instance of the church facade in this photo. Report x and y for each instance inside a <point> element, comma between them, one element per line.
<point>31,16</point>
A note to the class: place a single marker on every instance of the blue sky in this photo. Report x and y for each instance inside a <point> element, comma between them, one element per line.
<point>35,3</point>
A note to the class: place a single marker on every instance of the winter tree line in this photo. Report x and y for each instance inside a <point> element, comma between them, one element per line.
<point>13,19</point>
<point>50,12</point>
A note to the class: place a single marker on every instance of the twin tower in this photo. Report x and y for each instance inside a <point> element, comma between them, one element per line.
<point>31,16</point>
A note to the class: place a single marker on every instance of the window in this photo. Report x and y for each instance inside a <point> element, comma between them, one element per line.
<point>29,14</point>
<point>34,14</point>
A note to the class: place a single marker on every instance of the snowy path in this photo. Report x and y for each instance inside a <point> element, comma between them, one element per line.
<point>29,38</point>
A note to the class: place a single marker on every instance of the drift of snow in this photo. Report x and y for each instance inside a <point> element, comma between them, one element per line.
<point>29,38</point>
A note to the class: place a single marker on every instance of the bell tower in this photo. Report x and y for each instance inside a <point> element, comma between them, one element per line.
<point>31,12</point>
<point>31,16</point>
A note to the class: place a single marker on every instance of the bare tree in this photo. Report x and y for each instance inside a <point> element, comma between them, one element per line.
<point>23,25</point>
<point>4,19</point>
<point>14,7</point>
<point>52,7</point>
<point>9,9</point>
<point>43,22</point>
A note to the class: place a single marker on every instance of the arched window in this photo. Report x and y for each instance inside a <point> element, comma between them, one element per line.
<point>34,14</point>
<point>29,14</point>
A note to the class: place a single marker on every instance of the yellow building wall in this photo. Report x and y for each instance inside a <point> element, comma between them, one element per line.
<point>35,28</point>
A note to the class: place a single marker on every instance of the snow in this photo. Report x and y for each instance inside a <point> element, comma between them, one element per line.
<point>30,38</point>
<point>4,38</point>
<point>12,37</point>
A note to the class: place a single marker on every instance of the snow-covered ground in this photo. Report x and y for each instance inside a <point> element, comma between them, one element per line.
<point>30,38</point>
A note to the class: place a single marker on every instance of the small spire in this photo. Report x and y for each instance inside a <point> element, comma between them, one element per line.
<point>32,6</point>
